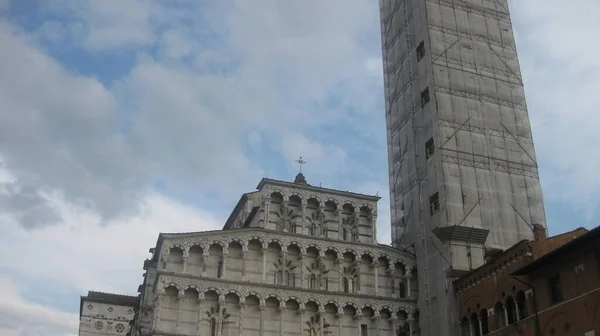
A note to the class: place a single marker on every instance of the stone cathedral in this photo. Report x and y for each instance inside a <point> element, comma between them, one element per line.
<point>291,259</point>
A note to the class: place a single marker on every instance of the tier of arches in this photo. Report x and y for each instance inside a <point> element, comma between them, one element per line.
<point>482,321</point>
<point>292,265</point>
<point>320,218</point>
<point>210,311</point>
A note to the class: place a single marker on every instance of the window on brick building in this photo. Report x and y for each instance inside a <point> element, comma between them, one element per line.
<point>421,51</point>
<point>521,305</point>
<point>510,310</point>
<point>434,204</point>
<point>425,97</point>
<point>483,316</point>
<point>555,287</point>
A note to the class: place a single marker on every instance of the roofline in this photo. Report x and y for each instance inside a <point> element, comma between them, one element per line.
<point>235,211</point>
<point>87,297</point>
<point>265,180</point>
<point>559,252</point>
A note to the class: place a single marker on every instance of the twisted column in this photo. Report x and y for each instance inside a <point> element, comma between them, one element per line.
<point>357,318</point>
<point>281,317</point>
<point>377,320</point>
<point>301,311</point>
<point>376,267</point>
<point>262,308</point>
<point>394,321</point>
<point>204,263</point>
<point>224,256</point>
<point>180,298</point>
<point>302,255</point>
<point>340,317</point>
<point>186,257</point>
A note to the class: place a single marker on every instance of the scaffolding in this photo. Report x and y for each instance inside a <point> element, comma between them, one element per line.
<point>469,101</point>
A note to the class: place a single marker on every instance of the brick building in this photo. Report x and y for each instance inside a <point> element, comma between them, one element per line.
<point>548,286</point>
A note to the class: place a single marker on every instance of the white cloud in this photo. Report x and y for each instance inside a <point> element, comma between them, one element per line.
<point>19,317</point>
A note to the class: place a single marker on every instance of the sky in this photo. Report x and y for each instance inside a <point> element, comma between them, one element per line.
<point>121,119</point>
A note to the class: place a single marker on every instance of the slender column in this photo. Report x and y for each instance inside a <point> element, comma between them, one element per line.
<point>321,322</point>
<point>374,224</point>
<point>480,325</point>
<point>303,221</point>
<point>157,307</point>
<point>376,267</point>
<point>340,273</point>
<point>186,257</point>
<point>471,328</point>
<point>301,311</point>
<point>341,320</point>
<point>241,321</point>
<point>264,268</point>
<point>517,310</point>
<point>302,269</point>
<point>407,281</point>
<point>394,320</point>
<point>180,297</point>
<point>200,323</point>
<point>410,327</point>
<point>377,320</point>
<point>225,255</point>
<point>267,203</point>
<point>281,317</point>
<point>262,308</point>
<point>244,257</point>
<point>357,317</point>
<point>358,283</point>
<point>340,224</point>
<point>165,259</point>
<point>204,263</point>
<point>505,317</point>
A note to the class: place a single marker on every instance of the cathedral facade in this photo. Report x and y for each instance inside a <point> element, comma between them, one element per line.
<point>292,259</point>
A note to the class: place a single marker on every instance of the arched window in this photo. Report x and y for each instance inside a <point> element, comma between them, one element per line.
<point>348,285</point>
<point>510,310</point>
<point>522,305</point>
<point>483,316</point>
<point>293,228</point>
<point>402,289</point>
<point>313,281</point>
<point>475,325</point>
<point>500,317</point>
<point>213,327</point>
<point>291,279</point>
<point>278,277</point>
<point>313,229</point>
<point>345,234</point>
<point>220,270</point>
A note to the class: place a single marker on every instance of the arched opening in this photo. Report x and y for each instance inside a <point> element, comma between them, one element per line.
<point>313,281</point>
<point>510,310</point>
<point>402,289</point>
<point>213,327</point>
<point>475,325</point>
<point>345,234</point>
<point>348,285</point>
<point>483,316</point>
<point>500,316</point>
<point>522,305</point>
<point>220,269</point>
<point>313,229</point>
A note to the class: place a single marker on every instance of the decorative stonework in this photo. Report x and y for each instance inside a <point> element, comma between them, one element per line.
<point>283,294</point>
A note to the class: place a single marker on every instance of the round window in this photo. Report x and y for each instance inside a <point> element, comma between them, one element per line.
<point>120,328</point>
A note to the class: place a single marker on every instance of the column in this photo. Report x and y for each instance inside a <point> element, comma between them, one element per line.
<point>358,284</point>
<point>340,223</point>
<point>374,223</point>
<point>376,267</point>
<point>157,306</point>
<point>517,310</point>
<point>471,328</point>
<point>204,263</point>
<point>341,319</point>
<point>302,269</point>
<point>303,221</point>
<point>244,257</point>
<point>186,257</point>
<point>262,308</point>
<point>321,321</point>
<point>357,317</point>
<point>480,325</point>
<point>301,311</point>
<point>221,305</point>
<point>505,317</point>
<point>394,320</point>
<point>266,204</point>
<point>241,322</point>
<point>341,273</point>
<point>264,268</point>
<point>407,281</point>
<point>225,255</point>
<point>200,324</point>
<point>410,327</point>
<point>281,317</point>
<point>377,320</point>
<point>179,308</point>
